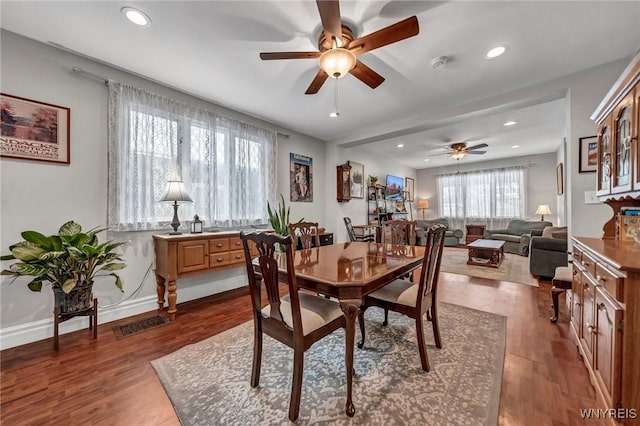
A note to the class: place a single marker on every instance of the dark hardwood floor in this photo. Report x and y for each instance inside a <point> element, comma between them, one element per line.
<point>111,382</point>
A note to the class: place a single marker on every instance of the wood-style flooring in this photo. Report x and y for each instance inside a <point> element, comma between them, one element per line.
<point>111,382</point>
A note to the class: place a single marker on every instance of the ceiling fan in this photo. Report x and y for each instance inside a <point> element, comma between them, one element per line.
<point>460,149</point>
<point>338,48</point>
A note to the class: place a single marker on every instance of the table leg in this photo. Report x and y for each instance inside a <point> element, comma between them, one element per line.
<point>172,298</point>
<point>351,309</point>
<point>160,288</point>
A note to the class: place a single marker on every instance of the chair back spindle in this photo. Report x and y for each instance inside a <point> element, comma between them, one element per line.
<point>399,232</point>
<point>431,262</point>
<point>307,232</point>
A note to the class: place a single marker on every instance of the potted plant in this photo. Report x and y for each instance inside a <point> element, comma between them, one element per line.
<point>373,180</point>
<point>279,218</point>
<point>70,261</point>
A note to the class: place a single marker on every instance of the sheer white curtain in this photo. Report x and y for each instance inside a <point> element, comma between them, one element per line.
<point>228,167</point>
<point>489,197</point>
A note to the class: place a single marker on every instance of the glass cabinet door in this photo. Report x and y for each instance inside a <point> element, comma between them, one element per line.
<point>623,119</point>
<point>604,158</point>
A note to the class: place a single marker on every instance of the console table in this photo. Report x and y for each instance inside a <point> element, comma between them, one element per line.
<point>187,255</point>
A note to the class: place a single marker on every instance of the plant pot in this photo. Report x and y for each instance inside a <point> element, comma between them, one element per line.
<point>78,299</point>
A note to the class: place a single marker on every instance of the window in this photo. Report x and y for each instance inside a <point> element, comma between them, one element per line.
<point>228,166</point>
<point>482,196</point>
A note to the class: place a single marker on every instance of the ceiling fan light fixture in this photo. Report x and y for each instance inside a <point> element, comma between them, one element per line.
<point>136,16</point>
<point>457,155</point>
<point>337,62</point>
<point>510,123</point>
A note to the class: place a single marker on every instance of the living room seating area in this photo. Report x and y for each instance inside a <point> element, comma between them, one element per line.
<point>451,237</point>
<point>517,235</point>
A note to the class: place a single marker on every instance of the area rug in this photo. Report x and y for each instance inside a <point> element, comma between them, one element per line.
<point>514,268</point>
<point>135,327</point>
<point>208,382</point>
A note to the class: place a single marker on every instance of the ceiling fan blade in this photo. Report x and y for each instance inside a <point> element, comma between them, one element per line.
<point>366,75</point>
<point>267,56</point>
<point>480,145</point>
<point>317,83</point>
<point>391,34</point>
<point>330,17</point>
<point>476,152</point>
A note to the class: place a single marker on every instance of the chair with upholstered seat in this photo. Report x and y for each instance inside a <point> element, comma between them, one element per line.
<point>298,319</point>
<point>306,233</point>
<point>414,300</point>
<point>399,232</point>
<point>353,236</point>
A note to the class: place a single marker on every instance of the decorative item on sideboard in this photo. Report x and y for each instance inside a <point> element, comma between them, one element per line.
<point>176,191</point>
<point>196,225</point>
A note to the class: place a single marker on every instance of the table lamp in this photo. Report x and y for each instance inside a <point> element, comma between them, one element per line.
<point>542,210</point>
<point>176,192</point>
<point>424,206</point>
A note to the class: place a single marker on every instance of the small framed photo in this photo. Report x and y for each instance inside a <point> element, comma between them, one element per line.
<point>588,154</point>
<point>357,179</point>
<point>559,180</point>
<point>408,189</point>
<point>33,130</point>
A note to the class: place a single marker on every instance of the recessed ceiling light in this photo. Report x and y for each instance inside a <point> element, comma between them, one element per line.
<point>136,16</point>
<point>510,123</point>
<point>334,114</point>
<point>515,146</point>
<point>495,52</point>
<point>400,145</point>
<point>426,159</point>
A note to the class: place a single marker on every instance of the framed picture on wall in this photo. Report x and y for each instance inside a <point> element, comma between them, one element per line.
<point>357,179</point>
<point>408,189</point>
<point>559,180</point>
<point>300,178</point>
<point>588,154</point>
<point>33,130</point>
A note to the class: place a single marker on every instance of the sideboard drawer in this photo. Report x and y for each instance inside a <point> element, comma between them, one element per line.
<point>236,256</point>
<point>610,282</point>
<point>235,243</point>
<point>589,264</point>
<point>219,259</point>
<point>218,244</point>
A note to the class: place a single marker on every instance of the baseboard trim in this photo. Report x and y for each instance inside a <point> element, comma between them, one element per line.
<point>43,329</point>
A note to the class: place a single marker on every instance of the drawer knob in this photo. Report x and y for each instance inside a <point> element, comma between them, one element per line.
<point>219,245</point>
<point>220,259</point>
<point>238,256</point>
<point>586,285</point>
<point>600,278</point>
<point>601,306</point>
<point>591,329</point>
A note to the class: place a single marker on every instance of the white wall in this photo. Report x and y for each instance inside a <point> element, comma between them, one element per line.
<point>42,196</point>
<point>356,209</point>
<point>540,184</point>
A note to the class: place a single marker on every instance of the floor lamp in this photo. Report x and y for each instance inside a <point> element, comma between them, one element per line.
<point>424,206</point>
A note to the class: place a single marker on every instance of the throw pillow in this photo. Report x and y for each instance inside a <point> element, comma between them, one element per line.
<point>548,231</point>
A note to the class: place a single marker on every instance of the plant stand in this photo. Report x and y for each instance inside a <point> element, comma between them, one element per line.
<point>59,317</point>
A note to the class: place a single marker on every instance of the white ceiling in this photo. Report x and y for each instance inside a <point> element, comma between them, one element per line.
<point>211,49</point>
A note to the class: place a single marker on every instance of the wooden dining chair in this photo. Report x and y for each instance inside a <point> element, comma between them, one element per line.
<point>306,233</point>
<point>414,300</point>
<point>353,236</point>
<point>399,232</point>
<point>297,319</point>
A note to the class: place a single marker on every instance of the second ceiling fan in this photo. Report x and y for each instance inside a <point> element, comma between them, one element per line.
<point>460,149</point>
<point>337,48</point>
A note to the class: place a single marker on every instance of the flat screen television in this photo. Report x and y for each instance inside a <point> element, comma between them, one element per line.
<point>395,188</point>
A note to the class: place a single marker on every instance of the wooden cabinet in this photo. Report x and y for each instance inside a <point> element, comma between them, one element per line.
<point>185,255</point>
<point>343,182</point>
<point>474,232</point>
<point>605,317</point>
<point>618,168</point>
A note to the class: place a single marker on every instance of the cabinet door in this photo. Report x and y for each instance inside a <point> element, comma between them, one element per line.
<point>607,363</point>
<point>588,319</point>
<point>576,309</point>
<point>193,255</point>
<point>623,124</point>
<point>604,158</point>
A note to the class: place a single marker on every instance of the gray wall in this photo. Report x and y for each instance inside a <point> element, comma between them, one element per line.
<point>41,196</point>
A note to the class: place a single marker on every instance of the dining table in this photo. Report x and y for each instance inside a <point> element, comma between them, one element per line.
<point>348,272</point>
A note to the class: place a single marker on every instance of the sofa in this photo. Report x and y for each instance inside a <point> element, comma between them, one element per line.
<point>517,235</point>
<point>451,236</point>
<point>547,250</point>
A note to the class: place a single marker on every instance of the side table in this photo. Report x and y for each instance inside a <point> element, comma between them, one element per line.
<point>474,232</point>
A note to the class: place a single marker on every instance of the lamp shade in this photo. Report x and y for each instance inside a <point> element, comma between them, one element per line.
<point>176,192</point>
<point>543,209</point>
<point>423,204</point>
<point>337,62</point>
